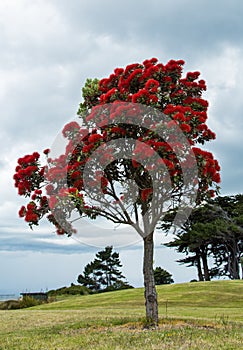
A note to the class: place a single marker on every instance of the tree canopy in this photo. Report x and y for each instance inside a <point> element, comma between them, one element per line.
<point>214,230</point>
<point>132,155</point>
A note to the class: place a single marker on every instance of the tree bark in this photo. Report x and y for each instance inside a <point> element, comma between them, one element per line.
<point>150,293</point>
<point>199,268</point>
<point>205,266</point>
<point>233,262</point>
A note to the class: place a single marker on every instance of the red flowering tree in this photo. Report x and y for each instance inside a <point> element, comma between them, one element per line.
<point>130,159</point>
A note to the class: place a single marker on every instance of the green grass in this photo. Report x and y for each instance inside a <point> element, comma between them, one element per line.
<point>205,315</point>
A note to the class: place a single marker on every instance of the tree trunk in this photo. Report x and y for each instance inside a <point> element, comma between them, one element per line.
<point>199,268</point>
<point>233,263</point>
<point>236,260</point>
<point>205,266</point>
<point>149,283</point>
<point>235,272</point>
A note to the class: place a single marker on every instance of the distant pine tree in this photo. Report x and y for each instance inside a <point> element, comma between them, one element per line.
<point>103,274</point>
<point>162,276</point>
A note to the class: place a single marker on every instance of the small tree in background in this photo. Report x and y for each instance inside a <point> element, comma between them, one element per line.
<point>89,277</point>
<point>164,114</point>
<point>102,274</point>
<point>162,276</point>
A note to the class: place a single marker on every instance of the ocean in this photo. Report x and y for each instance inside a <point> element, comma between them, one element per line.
<point>8,296</point>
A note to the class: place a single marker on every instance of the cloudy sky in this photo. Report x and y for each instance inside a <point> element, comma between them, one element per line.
<point>48,49</point>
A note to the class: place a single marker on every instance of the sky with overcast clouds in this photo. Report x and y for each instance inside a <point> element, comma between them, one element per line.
<point>48,49</point>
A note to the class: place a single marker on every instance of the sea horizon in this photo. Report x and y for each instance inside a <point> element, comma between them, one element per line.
<point>9,296</point>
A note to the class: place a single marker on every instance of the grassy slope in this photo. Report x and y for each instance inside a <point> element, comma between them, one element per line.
<point>205,315</point>
<point>202,300</point>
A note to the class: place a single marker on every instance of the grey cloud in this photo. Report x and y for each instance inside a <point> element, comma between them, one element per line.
<point>177,26</point>
<point>47,243</point>
<point>230,159</point>
<point>37,243</point>
<point>44,64</point>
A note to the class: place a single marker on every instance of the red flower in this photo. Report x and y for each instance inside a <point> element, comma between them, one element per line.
<point>135,164</point>
<point>216,165</point>
<point>141,96</point>
<point>192,76</point>
<point>28,171</point>
<point>76,174</point>
<point>31,217</point>
<point>73,190</point>
<point>104,184</point>
<point>22,211</point>
<point>179,116</point>
<point>216,178</point>
<point>163,146</point>
<point>145,193</point>
<point>95,138</point>
<point>49,189</point>
<point>202,127</point>
<point>70,128</point>
<point>118,130</point>
<point>211,193</point>
<point>46,151</point>
<point>168,163</point>
<point>131,67</point>
<point>185,127</point>
<point>29,159</point>
<point>43,201</point>
<point>60,231</point>
<point>109,96</point>
<point>31,206</point>
<point>22,188</point>
<point>118,71</point>
<point>152,85</point>
<point>150,62</point>
<point>202,85</point>
<point>153,99</point>
<point>78,184</point>
<point>87,148</point>
<point>52,202</point>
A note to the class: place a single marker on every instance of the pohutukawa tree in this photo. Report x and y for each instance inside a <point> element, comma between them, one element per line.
<point>130,157</point>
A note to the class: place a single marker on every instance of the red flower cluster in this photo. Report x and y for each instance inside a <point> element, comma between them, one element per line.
<point>70,129</point>
<point>208,166</point>
<point>163,87</point>
<point>93,138</point>
<point>28,175</point>
<point>151,83</point>
<point>32,213</point>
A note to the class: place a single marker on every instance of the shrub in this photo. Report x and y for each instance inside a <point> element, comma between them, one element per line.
<point>72,290</point>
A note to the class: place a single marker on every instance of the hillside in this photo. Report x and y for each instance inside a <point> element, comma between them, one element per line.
<point>201,315</point>
<point>187,299</point>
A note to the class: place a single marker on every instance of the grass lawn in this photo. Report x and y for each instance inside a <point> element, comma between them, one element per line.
<point>205,315</point>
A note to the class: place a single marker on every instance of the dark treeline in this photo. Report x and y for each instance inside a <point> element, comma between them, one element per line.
<point>213,232</point>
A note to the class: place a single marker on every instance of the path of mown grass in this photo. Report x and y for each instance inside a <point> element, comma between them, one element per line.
<point>207,315</point>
